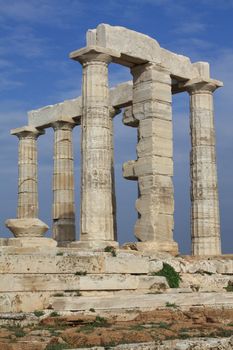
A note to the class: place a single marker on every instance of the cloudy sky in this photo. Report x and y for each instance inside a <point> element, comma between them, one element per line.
<point>35,39</point>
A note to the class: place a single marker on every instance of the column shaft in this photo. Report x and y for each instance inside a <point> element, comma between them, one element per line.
<point>205,221</point>
<point>27,176</point>
<point>63,184</point>
<point>97,222</point>
<point>154,166</point>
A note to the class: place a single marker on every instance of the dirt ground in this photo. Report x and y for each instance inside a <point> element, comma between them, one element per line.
<point>55,332</point>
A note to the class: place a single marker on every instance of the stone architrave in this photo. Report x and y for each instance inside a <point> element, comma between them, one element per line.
<point>27,227</point>
<point>63,183</point>
<point>97,212</point>
<point>205,221</point>
<point>154,166</point>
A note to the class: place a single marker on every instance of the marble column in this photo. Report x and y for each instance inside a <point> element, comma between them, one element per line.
<point>154,165</point>
<point>205,221</point>
<point>27,225</point>
<point>97,212</point>
<point>63,183</point>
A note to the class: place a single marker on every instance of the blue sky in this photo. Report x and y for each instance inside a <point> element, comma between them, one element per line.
<point>35,39</point>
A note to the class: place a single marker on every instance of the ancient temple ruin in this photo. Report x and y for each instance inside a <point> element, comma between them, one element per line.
<point>96,273</point>
<point>146,101</point>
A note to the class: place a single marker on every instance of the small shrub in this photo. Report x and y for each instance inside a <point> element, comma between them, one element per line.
<point>19,332</point>
<point>171,304</point>
<point>60,254</point>
<point>80,273</point>
<point>58,295</point>
<point>38,313</point>
<point>110,249</point>
<point>229,287</point>
<point>100,321</point>
<point>92,309</point>
<point>173,277</point>
<point>164,325</point>
<point>54,314</point>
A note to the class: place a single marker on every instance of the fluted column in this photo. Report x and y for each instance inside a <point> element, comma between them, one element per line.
<point>97,213</point>
<point>27,225</point>
<point>205,221</point>
<point>63,183</point>
<point>154,165</point>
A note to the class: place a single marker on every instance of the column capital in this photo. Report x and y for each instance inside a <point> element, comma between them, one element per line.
<point>27,131</point>
<point>93,53</point>
<point>197,85</point>
<point>149,66</point>
<point>63,124</point>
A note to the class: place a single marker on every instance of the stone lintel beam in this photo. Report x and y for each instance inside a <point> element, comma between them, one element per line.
<point>71,110</point>
<point>137,48</point>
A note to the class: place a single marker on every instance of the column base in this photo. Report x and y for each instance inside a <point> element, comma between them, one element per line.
<point>91,245</point>
<point>151,246</point>
<point>64,231</point>
<point>27,227</point>
<point>28,242</point>
<point>206,246</point>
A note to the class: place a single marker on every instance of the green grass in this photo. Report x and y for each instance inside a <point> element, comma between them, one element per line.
<point>38,313</point>
<point>54,314</point>
<point>173,277</point>
<point>171,305</point>
<point>164,325</point>
<point>229,287</point>
<point>98,322</point>
<point>111,250</point>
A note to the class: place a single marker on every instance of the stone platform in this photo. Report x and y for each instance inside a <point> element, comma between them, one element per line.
<point>67,279</point>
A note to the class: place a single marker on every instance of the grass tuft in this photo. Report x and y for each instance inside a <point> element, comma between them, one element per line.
<point>173,277</point>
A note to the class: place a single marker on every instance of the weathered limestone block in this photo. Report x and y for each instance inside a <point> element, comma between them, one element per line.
<point>24,301</point>
<point>205,282</point>
<point>97,221</point>
<point>154,166</point>
<point>144,301</point>
<point>136,265</point>
<point>204,187</point>
<point>134,44</point>
<point>128,117</point>
<point>63,183</point>
<point>95,263</point>
<point>51,264</point>
<point>72,282</point>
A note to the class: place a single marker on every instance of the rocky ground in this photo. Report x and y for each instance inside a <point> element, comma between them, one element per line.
<point>52,331</point>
